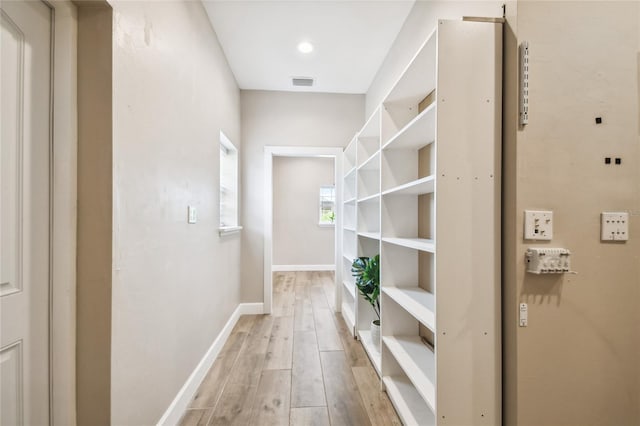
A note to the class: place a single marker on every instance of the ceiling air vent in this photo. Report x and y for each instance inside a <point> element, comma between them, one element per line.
<point>302,81</point>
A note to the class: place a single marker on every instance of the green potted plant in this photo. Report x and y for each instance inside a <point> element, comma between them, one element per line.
<point>366,271</point>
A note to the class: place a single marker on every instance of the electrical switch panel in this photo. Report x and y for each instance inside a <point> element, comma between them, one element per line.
<point>614,226</point>
<point>538,225</point>
<point>548,260</point>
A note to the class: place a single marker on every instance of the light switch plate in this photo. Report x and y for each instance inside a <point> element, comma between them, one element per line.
<point>192,214</point>
<point>614,226</point>
<point>538,225</point>
<point>524,315</point>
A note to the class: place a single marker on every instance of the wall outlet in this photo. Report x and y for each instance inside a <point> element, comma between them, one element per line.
<point>614,226</point>
<point>538,225</point>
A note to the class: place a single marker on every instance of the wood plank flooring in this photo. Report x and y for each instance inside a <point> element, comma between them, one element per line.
<point>297,367</point>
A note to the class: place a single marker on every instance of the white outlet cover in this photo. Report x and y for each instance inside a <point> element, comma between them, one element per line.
<point>538,225</point>
<point>614,226</point>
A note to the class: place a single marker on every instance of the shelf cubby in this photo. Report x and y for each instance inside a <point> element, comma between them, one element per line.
<point>411,408</point>
<point>416,301</point>
<point>349,163</point>
<point>369,216</point>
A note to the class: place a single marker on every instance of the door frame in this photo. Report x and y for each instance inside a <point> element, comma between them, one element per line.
<point>303,152</point>
<point>63,213</point>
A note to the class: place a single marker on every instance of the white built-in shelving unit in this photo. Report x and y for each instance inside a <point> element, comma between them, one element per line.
<point>422,189</point>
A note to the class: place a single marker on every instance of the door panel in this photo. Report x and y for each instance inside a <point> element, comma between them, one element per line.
<point>25,79</point>
<point>11,384</point>
<point>11,156</point>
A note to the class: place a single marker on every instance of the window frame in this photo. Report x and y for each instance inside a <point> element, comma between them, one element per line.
<point>321,199</point>
<point>228,159</point>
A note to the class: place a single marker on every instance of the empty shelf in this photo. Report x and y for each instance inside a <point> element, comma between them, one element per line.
<point>372,235</point>
<point>422,244</point>
<point>421,186</point>
<point>416,301</point>
<point>411,408</point>
<point>419,132</point>
<point>369,198</point>
<point>418,362</point>
<point>373,352</point>
<point>371,163</point>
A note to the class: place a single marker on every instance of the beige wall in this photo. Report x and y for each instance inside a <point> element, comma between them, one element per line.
<point>298,239</point>
<point>283,119</point>
<point>578,360</point>
<point>174,285</point>
<point>94,257</point>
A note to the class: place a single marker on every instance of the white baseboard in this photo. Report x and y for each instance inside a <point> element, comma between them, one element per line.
<point>277,268</point>
<point>180,403</point>
<point>251,308</point>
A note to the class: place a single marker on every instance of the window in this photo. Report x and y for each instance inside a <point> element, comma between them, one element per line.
<point>327,205</point>
<point>228,186</point>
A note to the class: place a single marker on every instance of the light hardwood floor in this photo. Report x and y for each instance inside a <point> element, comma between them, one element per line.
<point>296,367</point>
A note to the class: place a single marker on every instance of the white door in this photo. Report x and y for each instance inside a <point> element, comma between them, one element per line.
<point>25,74</point>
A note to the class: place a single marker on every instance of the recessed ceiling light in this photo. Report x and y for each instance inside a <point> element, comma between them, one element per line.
<point>305,47</point>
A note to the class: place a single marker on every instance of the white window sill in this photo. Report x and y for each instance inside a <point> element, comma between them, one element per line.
<point>228,230</point>
<point>327,225</point>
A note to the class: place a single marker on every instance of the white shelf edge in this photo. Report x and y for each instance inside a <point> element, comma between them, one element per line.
<point>369,198</point>
<point>350,287</point>
<point>421,244</point>
<point>373,352</point>
<point>349,316</point>
<point>349,258</point>
<point>350,200</point>
<point>411,408</point>
<point>347,228</point>
<point>366,165</point>
<point>416,301</point>
<point>367,123</point>
<point>417,119</point>
<point>351,171</point>
<point>371,235</point>
<point>418,363</point>
<point>424,185</point>
<point>228,230</point>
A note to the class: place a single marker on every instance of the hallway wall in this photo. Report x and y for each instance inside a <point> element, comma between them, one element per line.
<point>174,284</point>
<point>283,119</point>
<point>298,239</point>
<point>578,358</point>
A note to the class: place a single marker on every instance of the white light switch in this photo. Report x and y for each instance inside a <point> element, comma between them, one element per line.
<point>524,315</point>
<point>193,214</point>
<point>538,225</point>
<point>614,226</point>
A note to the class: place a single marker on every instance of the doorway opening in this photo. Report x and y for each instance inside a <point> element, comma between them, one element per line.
<point>271,154</point>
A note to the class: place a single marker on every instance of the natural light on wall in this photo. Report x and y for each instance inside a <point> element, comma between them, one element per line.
<point>228,186</point>
<point>327,205</point>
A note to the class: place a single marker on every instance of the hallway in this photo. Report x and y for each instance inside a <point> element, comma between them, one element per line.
<point>298,366</point>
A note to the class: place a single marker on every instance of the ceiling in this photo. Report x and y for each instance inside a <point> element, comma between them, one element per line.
<point>350,38</point>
